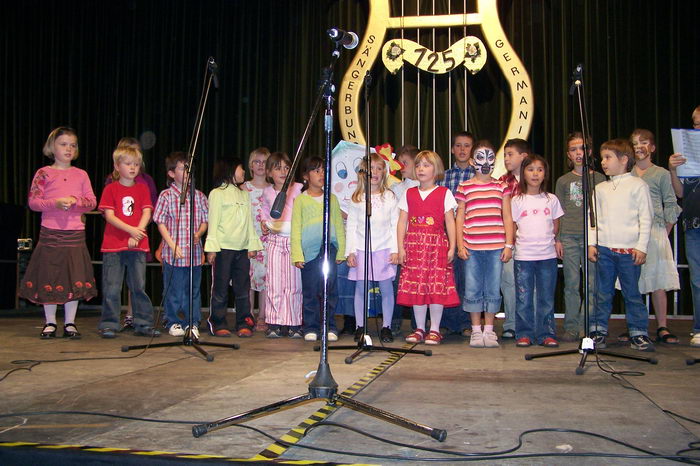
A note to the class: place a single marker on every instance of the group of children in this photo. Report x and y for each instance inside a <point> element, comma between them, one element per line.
<point>440,241</point>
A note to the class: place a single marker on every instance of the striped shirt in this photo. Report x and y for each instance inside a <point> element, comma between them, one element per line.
<point>483,227</point>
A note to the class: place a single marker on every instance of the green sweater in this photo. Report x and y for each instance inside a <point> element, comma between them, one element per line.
<point>307,228</point>
<point>231,221</point>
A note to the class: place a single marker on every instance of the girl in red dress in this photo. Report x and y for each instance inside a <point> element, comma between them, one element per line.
<point>426,237</point>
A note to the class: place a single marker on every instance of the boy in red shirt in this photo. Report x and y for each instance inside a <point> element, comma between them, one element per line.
<point>127,209</point>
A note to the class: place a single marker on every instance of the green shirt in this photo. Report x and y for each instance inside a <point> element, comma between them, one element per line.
<point>231,221</point>
<point>307,228</point>
<point>569,191</point>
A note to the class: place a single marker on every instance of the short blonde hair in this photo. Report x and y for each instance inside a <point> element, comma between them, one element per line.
<point>264,151</point>
<point>120,153</point>
<point>433,159</point>
<point>55,134</point>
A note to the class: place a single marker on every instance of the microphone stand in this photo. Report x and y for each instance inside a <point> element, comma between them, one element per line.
<point>190,339</point>
<point>323,386</point>
<point>587,344</point>
<point>365,343</point>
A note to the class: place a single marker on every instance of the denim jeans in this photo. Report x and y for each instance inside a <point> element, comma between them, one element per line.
<point>574,255</point>
<point>312,288</point>
<point>346,291</point>
<point>233,267</point>
<point>508,292</point>
<point>114,264</point>
<point>534,315</point>
<point>692,253</point>
<point>482,280</point>
<point>453,318</point>
<point>612,265</point>
<point>176,286</point>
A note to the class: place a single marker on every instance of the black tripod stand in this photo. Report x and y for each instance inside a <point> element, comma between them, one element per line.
<point>587,345</point>
<point>191,339</point>
<point>323,386</point>
<point>364,343</point>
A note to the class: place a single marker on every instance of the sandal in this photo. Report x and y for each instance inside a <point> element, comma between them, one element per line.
<point>624,337</point>
<point>668,337</point>
<point>49,331</point>
<point>433,338</point>
<point>418,336</point>
<point>71,331</point>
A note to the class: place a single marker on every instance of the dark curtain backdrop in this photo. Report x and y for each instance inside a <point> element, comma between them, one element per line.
<point>126,67</point>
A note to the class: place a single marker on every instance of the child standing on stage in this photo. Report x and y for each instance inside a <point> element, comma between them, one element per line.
<point>536,215</point>
<point>569,191</point>
<point>426,244</point>
<point>659,273</point>
<point>515,151</point>
<point>282,280</point>
<point>383,243</point>
<point>173,220</point>
<point>484,242</point>
<point>127,207</point>
<point>231,242</point>
<point>307,249</point>
<point>60,271</point>
<point>625,216</point>
<point>258,264</point>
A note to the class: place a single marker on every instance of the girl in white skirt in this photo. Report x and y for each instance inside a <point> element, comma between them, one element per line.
<point>383,243</point>
<point>660,273</point>
<point>282,280</point>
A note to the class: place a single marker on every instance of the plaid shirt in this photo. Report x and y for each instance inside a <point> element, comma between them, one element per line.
<point>455,175</point>
<point>166,213</point>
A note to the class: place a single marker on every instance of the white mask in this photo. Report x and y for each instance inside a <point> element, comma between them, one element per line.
<point>485,160</point>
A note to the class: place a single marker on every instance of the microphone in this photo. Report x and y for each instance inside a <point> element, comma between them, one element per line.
<point>278,205</point>
<point>576,78</point>
<point>347,39</point>
<point>214,69</point>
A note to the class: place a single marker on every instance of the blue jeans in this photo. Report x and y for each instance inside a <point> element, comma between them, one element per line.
<point>508,291</point>
<point>114,264</point>
<point>574,255</point>
<point>346,291</point>
<point>176,286</point>
<point>534,315</point>
<point>612,265</point>
<point>312,288</point>
<point>692,253</point>
<point>452,317</point>
<point>482,281</point>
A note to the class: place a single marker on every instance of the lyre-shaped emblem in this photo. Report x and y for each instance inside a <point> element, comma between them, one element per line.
<point>486,16</point>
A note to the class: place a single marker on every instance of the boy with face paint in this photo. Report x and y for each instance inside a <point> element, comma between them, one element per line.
<point>484,242</point>
<point>453,319</point>
<point>515,151</point>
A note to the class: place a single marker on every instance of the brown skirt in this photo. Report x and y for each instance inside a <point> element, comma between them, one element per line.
<point>59,270</point>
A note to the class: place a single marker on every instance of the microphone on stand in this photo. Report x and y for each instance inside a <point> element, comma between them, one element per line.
<point>214,69</point>
<point>347,39</point>
<point>576,78</point>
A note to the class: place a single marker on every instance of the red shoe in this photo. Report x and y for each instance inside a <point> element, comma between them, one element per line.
<point>222,332</point>
<point>418,336</point>
<point>523,342</point>
<point>433,338</point>
<point>245,333</point>
<point>550,342</point>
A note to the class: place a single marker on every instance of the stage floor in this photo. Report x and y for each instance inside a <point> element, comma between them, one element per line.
<point>484,398</point>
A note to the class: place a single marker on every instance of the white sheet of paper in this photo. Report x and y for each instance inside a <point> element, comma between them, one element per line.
<point>687,142</point>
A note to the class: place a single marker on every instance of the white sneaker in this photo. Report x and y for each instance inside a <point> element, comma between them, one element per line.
<point>332,336</point>
<point>477,339</point>
<point>490,340</point>
<point>176,330</point>
<point>695,341</point>
<point>195,332</point>
<point>311,336</point>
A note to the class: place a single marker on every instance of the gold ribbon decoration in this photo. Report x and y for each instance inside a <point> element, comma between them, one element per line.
<point>469,51</point>
<point>486,16</point>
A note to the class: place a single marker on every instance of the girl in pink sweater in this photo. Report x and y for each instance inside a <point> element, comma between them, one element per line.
<point>60,271</point>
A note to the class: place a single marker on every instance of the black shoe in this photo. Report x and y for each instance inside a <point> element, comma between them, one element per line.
<point>348,325</point>
<point>71,331</point>
<point>641,343</point>
<point>146,332</point>
<point>385,335</point>
<point>358,333</point>
<point>599,340</point>
<point>49,331</point>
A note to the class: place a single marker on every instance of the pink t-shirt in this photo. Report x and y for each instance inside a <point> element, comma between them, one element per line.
<point>483,228</point>
<point>535,214</point>
<point>50,184</point>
